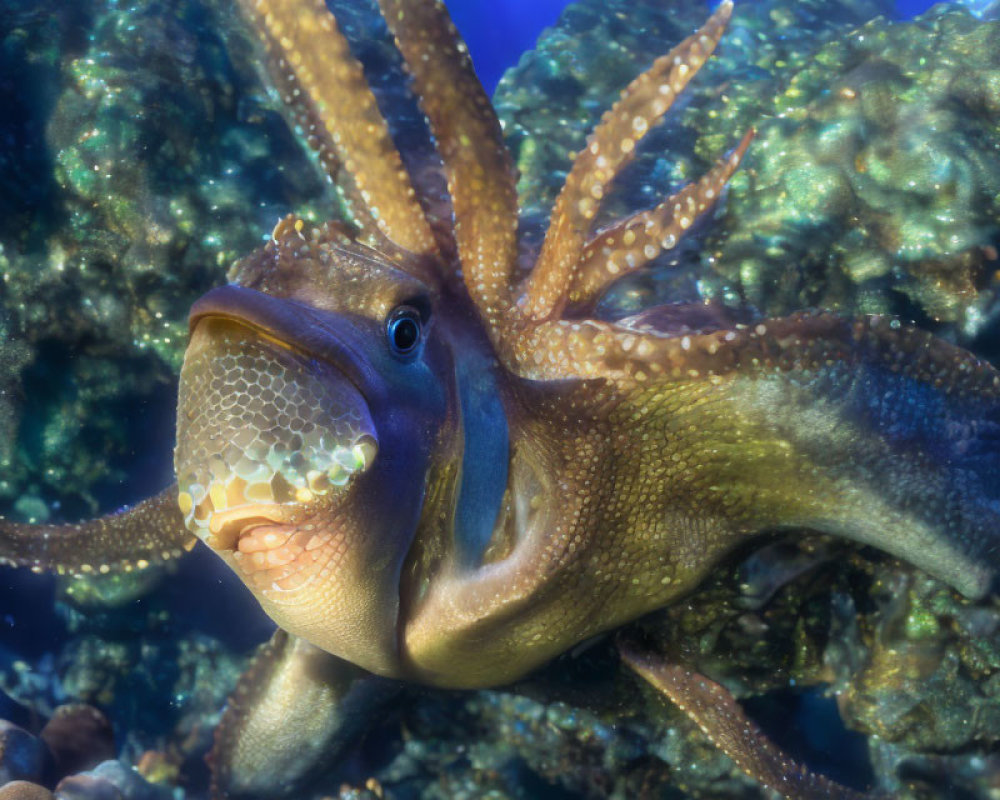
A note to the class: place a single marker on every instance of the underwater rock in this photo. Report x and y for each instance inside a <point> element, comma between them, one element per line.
<point>79,737</point>
<point>873,185</point>
<point>14,356</point>
<point>548,104</point>
<point>92,593</point>
<point>110,780</point>
<point>154,690</point>
<point>22,756</point>
<point>24,790</point>
<point>926,678</point>
<point>162,693</point>
<point>87,787</point>
<point>549,100</point>
<point>984,9</point>
<point>147,159</point>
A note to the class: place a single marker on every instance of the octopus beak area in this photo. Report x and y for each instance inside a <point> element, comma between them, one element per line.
<point>271,438</point>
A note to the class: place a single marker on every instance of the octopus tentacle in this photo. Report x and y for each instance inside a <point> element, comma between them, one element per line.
<point>633,352</point>
<point>292,714</point>
<point>149,533</point>
<point>476,161</point>
<point>610,147</point>
<point>324,86</point>
<point>634,241</point>
<point>716,712</point>
<point>864,429</point>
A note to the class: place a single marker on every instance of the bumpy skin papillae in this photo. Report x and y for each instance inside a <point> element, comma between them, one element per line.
<point>609,148</point>
<point>291,716</point>
<point>151,532</point>
<point>690,444</point>
<point>324,88</point>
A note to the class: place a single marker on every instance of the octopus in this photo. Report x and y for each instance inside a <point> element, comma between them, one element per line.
<point>431,461</point>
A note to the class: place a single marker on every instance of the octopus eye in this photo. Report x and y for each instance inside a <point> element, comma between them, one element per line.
<point>403,330</point>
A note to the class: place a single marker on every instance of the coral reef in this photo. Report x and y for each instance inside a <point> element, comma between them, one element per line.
<point>73,752</point>
<point>161,680</point>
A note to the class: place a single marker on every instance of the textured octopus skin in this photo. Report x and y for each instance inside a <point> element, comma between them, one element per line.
<point>437,465</point>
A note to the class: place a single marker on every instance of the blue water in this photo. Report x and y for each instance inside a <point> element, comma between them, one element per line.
<point>499,32</point>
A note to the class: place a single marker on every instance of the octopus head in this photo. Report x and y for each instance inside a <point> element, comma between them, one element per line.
<point>307,419</point>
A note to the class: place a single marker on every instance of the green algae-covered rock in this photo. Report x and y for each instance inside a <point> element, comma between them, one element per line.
<point>873,184</point>
<point>146,157</point>
<point>552,99</point>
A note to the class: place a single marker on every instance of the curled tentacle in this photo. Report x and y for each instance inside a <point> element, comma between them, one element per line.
<point>465,126</point>
<point>636,240</point>
<point>716,712</point>
<point>324,87</point>
<point>149,533</point>
<point>610,147</point>
<point>293,713</point>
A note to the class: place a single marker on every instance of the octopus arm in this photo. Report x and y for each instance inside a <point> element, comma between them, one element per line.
<point>293,713</point>
<point>151,532</point>
<point>610,147</point>
<point>323,87</point>
<point>866,429</point>
<point>713,709</point>
<point>467,132</point>
<point>636,240</point>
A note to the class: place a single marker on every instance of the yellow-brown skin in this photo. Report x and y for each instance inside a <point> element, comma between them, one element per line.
<point>640,451</point>
<point>400,604</point>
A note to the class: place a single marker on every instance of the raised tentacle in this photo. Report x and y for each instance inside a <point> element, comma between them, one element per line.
<point>292,714</point>
<point>610,147</point>
<point>149,533</point>
<point>865,429</point>
<point>324,86</point>
<point>716,712</point>
<point>634,241</point>
<point>465,126</point>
